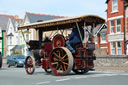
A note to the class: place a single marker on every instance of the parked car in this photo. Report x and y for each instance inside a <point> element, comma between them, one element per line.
<point>0,61</point>
<point>16,60</point>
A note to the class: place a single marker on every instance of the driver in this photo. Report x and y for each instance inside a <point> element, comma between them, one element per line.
<point>74,38</point>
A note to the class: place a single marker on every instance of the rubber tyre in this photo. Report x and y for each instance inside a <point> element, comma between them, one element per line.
<point>61,61</point>
<point>30,65</point>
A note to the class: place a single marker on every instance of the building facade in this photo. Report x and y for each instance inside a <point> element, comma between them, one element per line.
<point>3,27</point>
<point>117,26</point>
<point>13,35</point>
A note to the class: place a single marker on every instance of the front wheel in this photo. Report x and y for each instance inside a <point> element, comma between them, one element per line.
<point>30,65</point>
<point>61,61</point>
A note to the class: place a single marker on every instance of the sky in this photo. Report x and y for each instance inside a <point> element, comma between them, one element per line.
<point>53,7</point>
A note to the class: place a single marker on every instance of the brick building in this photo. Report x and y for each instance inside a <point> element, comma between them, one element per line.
<point>117,26</point>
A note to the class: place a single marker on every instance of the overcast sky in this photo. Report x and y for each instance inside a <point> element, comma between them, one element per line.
<point>54,7</point>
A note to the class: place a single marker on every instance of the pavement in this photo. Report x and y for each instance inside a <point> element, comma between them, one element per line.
<point>112,69</point>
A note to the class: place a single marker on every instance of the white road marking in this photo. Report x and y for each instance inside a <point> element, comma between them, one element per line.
<point>105,74</point>
<point>63,79</point>
<point>40,83</point>
<point>124,74</point>
<point>97,75</point>
<point>79,77</point>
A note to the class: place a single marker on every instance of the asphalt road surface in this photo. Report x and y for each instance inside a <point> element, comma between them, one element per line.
<point>18,76</point>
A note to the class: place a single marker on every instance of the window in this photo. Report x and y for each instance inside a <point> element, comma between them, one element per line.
<point>10,40</point>
<point>27,38</point>
<point>119,48</point>
<point>114,5</point>
<point>17,40</point>
<point>112,26</point>
<point>95,39</point>
<point>103,37</point>
<point>118,25</point>
<point>112,48</point>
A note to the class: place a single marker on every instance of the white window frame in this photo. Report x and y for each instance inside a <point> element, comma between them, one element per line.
<point>10,40</point>
<point>95,39</point>
<point>27,37</point>
<point>111,27</point>
<point>118,26</point>
<point>17,40</point>
<point>119,48</point>
<point>112,48</point>
<point>114,5</point>
<point>103,41</point>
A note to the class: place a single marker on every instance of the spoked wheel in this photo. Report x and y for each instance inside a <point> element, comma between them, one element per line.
<point>61,61</point>
<point>80,71</point>
<point>30,65</point>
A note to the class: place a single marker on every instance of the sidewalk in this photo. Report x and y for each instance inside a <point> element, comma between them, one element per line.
<point>113,69</point>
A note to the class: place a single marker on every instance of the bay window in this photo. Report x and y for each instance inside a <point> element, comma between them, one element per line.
<point>112,48</point>
<point>118,25</point>
<point>103,37</point>
<point>119,48</point>
<point>112,26</point>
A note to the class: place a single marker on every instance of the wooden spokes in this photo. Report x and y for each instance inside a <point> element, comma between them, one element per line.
<point>30,65</point>
<point>61,61</point>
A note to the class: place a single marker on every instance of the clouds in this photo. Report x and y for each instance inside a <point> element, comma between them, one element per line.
<point>57,7</point>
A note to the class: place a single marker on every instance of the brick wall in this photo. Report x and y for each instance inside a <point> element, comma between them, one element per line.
<point>114,61</point>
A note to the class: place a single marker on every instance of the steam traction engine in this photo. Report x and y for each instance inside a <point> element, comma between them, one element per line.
<point>53,55</point>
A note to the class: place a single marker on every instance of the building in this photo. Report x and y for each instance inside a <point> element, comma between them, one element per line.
<point>13,35</point>
<point>1,39</point>
<point>3,27</point>
<point>100,38</point>
<point>100,34</point>
<point>117,26</point>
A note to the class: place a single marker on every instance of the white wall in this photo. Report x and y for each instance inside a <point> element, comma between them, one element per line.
<point>11,29</point>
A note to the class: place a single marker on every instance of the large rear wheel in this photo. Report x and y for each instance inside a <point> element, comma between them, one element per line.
<point>61,61</point>
<point>30,65</point>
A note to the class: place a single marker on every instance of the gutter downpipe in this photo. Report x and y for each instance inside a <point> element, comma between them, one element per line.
<point>124,29</point>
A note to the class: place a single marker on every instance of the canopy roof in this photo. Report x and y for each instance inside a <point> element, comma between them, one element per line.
<point>64,23</point>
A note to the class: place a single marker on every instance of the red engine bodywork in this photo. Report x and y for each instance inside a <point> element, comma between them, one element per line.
<point>45,63</point>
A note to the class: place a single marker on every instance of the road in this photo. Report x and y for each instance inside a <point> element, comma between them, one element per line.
<point>17,76</point>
